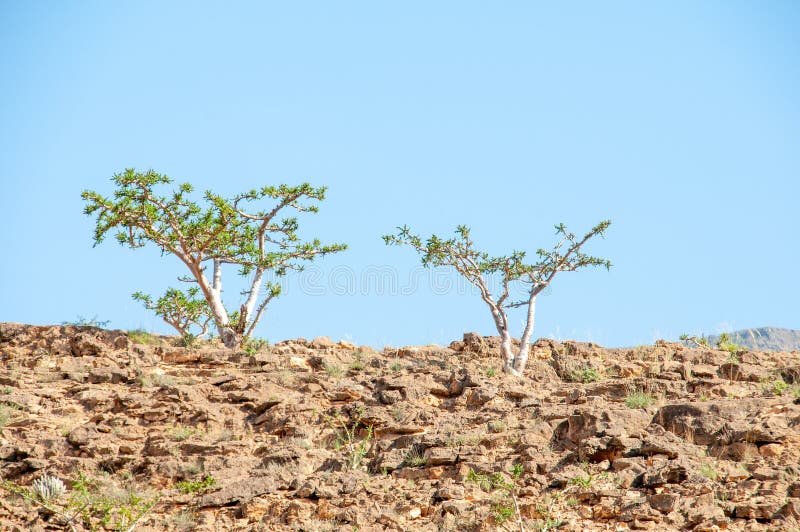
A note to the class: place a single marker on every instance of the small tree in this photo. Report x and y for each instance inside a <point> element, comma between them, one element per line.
<point>477,267</point>
<point>221,231</point>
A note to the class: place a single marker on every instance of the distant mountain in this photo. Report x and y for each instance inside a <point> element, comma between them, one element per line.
<point>764,339</point>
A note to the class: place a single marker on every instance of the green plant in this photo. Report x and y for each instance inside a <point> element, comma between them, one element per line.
<point>348,439</point>
<point>87,502</point>
<point>507,505</point>
<point>139,336</point>
<point>48,488</point>
<point>398,412</point>
<point>180,432</point>
<point>396,366</point>
<point>698,342</point>
<point>583,481</point>
<point>207,237</point>
<point>251,346</point>
<point>188,340</point>
<point>497,425</point>
<point>638,399</point>
<point>478,268</point>
<point>6,389</point>
<point>776,387</point>
<point>724,342</point>
<point>585,376</point>
<point>358,363</point>
<point>414,458</point>
<point>491,371</point>
<point>334,371</point>
<point>184,520</point>
<point>196,486</point>
<point>90,322</point>
<point>708,471</point>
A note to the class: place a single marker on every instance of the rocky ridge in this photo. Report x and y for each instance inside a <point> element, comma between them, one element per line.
<point>317,435</point>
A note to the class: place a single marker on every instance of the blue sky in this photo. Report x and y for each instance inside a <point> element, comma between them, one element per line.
<point>679,121</point>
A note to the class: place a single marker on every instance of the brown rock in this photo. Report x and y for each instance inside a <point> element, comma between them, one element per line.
<point>81,435</point>
<point>322,342</point>
<point>664,502</point>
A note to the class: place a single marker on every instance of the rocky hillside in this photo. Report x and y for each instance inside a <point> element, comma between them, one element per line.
<point>108,430</point>
<point>764,339</point>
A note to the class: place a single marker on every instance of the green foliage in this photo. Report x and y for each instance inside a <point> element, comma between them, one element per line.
<point>502,513</point>
<point>197,486</point>
<point>776,387</point>
<point>140,336</point>
<point>358,362</point>
<point>585,376</point>
<point>724,342</point>
<point>87,322</point>
<point>478,267</point>
<point>87,502</point>
<point>414,458</point>
<point>697,342</point>
<point>334,371</point>
<point>180,309</point>
<point>506,507</point>
<point>188,340</point>
<point>638,399</point>
<point>216,231</point>
<point>708,471</point>
<point>180,432</point>
<point>348,438</point>
<point>251,346</point>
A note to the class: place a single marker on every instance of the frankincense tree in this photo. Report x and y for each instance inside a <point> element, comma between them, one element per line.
<point>477,267</point>
<point>205,237</point>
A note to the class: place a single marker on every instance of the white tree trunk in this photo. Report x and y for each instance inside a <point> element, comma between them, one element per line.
<point>521,360</point>
<point>255,290</point>
<point>213,295</point>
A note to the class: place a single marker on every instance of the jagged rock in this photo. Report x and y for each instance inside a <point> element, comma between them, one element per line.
<point>82,435</point>
<point>238,492</point>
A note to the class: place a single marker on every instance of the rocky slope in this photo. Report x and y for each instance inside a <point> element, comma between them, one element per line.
<point>764,339</point>
<point>323,436</point>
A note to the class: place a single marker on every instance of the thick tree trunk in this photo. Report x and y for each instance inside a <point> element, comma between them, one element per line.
<point>213,294</point>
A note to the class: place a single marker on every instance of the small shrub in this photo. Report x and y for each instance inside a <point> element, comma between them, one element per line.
<point>588,375</point>
<point>140,336</point>
<point>638,399</point>
<point>48,488</point>
<point>776,387</point>
<point>87,322</point>
<point>347,440</point>
<point>358,363</point>
<point>334,371</point>
<point>398,413</point>
<point>414,458</point>
<point>708,471</point>
<point>396,366</point>
<point>188,340</point>
<point>180,432</point>
<point>496,426</point>
<point>491,372</point>
<point>724,342</point>
<point>255,345</point>
<point>196,486</point>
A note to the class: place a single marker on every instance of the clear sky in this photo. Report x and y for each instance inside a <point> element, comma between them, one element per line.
<point>679,121</point>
